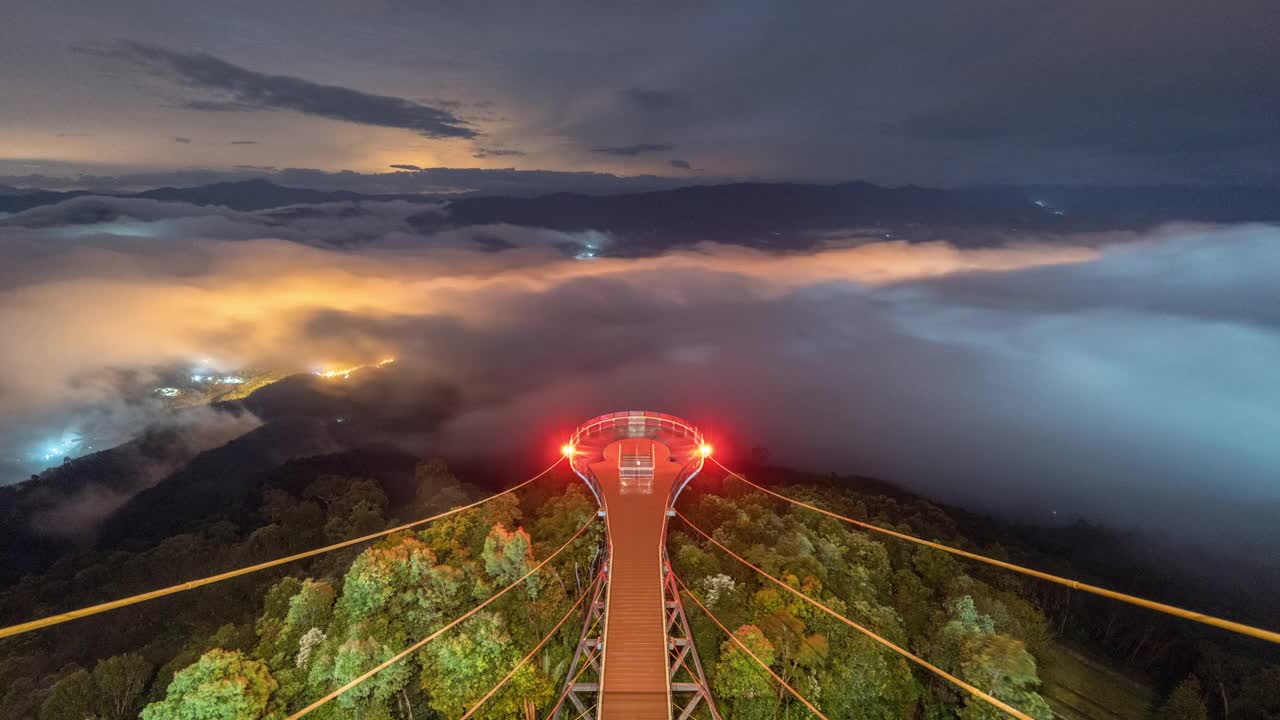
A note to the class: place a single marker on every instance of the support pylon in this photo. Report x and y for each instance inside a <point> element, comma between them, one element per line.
<point>582,690</point>
<point>688,683</point>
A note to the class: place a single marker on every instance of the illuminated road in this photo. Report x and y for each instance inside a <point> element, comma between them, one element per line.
<point>635,682</point>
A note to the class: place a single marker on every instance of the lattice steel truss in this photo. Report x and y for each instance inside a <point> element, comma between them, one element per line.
<point>582,684</point>
<point>689,687</point>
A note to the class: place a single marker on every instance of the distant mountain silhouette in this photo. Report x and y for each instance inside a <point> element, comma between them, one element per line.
<point>161,482</point>
<point>304,417</point>
<point>61,508</point>
<point>781,216</point>
<point>260,195</point>
<point>216,484</point>
<point>27,199</point>
<point>246,195</point>
<point>767,215</point>
<point>795,216</point>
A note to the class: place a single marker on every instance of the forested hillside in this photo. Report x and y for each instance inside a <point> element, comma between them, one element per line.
<point>996,630</point>
<point>273,642</point>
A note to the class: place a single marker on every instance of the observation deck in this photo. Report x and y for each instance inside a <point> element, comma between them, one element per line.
<point>636,464</point>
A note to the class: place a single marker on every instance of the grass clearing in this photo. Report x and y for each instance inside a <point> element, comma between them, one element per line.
<point>1082,687</point>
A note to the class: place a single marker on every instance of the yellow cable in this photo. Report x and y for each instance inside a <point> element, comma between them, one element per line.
<point>747,650</point>
<point>524,661</point>
<point>901,651</point>
<point>1241,628</point>
<point>192,584</point>
<point>383,666</point>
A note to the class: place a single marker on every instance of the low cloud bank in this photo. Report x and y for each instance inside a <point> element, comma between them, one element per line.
<point>1129,380</point>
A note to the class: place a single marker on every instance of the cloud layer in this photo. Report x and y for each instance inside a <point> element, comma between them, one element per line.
<point>1128,379</point>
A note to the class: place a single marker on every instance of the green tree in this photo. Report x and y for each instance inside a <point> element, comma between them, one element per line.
<point>398,577</point>
<point>435,488</point>
<point>561,516</point>
<point>934,567</point>
<point>311,608</point>
<point>1260,696</point>
<point>460,668</point>
<point>221,685</point>
<point>508,556</point>
<point>740,682</point>
<point>1002,667</point>
<point>119,682</point>
<point>270,625</point>
<point>797,650</point>
<point>19,699</point>
<point>356,656</point>
<point>353,506</point>
<point>463,535</point>
<point>1185,702</point>
<point>869,567</point>
<point>963,621</point>
<point>227,637</point>
<point>864,681</point>
<point>394,593</point>
<point>71,698</point>
<point>913,601</point>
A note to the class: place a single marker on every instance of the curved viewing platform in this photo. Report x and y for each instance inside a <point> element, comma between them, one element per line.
<point>636,463</point>
<point>683,440</point>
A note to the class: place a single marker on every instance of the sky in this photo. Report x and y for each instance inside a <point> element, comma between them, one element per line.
<point>964,92</point>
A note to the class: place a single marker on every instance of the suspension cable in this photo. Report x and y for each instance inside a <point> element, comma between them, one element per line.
<point>747,650</point>
<point>887,643</point>
<point>536,648</point>
<point>407,651</point>
<point>1241,628</point>
<point>192,584</point>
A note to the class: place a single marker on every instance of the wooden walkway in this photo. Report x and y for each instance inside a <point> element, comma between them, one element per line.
<point>635,659</point>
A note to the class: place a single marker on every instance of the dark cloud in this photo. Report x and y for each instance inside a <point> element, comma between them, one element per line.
<point>183,140</point>
<point>1078,85</point>
<point>219,106</point>
<point>654,99</point>
<point>235,84</point>
<point>481,153</point>
<point>1052,121</point>
<point>410,168</point>
<point>681,164</point>
<point>244,142</point>
<point>633,150</point>
<point>74,134</point>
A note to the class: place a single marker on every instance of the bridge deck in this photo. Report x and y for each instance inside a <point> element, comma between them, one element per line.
<point>635,661</point>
